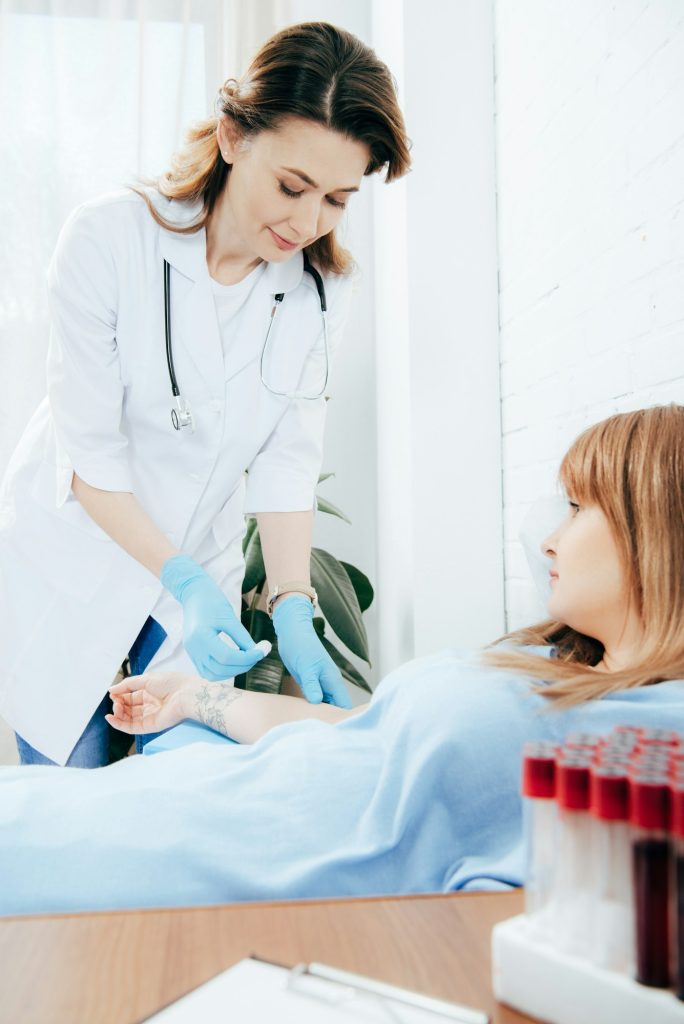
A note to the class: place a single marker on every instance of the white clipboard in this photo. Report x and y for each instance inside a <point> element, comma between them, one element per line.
<point>257,992</point>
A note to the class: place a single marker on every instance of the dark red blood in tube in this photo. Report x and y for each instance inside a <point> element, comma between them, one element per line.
<point>651,855</point>
<point>651,864</point>
<point>677,824</point>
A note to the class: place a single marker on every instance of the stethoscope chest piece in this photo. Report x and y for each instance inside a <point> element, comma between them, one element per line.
<point>181,415</point>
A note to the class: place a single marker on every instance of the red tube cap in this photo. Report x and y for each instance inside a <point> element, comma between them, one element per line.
<point>677,807</point>
<point>653,759</point>
<point>590,740</point>
<point>573,785</point>
<point>659,737</point>
<point>539,770</point>
<point>609,792</point>
<point>649,796</point>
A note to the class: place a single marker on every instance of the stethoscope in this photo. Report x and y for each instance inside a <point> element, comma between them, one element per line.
<point>181,414</point>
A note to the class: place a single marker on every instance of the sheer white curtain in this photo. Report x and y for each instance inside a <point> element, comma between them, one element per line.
<point>93,93</point>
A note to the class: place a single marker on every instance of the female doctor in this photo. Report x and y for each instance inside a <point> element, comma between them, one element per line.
<point>188,344</point>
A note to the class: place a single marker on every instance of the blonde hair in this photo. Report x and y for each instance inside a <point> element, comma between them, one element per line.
<point>312,71</point>
<point>632,467</point>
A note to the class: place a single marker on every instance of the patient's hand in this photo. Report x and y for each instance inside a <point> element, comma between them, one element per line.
<point>150,702</point>
<point>158,700</point>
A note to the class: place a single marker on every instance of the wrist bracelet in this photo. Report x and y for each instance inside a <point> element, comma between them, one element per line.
<point>293,587</point>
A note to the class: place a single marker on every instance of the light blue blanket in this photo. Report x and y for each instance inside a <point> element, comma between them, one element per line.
<point>419,793</point>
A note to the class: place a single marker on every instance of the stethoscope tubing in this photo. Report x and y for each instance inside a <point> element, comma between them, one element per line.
<point>181,416</point>
<point>167,330</point>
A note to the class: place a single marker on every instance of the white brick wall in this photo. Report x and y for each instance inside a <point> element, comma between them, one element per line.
<point>590,181</point>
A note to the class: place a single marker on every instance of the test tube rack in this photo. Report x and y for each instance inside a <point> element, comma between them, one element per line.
<point>558,988</point>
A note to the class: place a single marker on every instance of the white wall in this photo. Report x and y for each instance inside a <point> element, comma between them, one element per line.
<point>439,511</point>
<point>453,324</point>
<point>590,180</point>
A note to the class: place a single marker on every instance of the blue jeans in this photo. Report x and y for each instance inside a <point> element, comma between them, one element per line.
<point>92,749</point>
<point>145,646</point>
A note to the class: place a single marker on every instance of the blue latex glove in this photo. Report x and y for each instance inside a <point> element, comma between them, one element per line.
<point>303,654</point>
<point>206,613</point>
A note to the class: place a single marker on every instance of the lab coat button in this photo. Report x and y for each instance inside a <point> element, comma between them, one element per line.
<point>215,405</point>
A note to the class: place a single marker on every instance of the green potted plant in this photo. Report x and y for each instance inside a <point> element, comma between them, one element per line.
<point>344,594</point>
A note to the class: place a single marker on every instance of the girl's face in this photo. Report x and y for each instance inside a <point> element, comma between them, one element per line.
<point>589,587</point>
<point>287,188</point>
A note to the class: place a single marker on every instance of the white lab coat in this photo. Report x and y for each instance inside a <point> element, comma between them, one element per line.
<point>71,600</point>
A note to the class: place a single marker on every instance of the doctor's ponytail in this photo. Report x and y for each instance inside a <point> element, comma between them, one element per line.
<point>312,71</point>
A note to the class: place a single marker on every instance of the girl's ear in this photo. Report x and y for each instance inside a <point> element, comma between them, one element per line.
<point>228,137</point>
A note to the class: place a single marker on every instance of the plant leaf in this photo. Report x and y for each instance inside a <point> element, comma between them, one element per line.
<point>267,674</point>
<point>255,572</point>
<point>338,602</point>
<point>324,476</point>
<point>327,506</point>
<point>249,530</point>
<point>346,668</point>
<point>361,584</point>
<point>319,626</point>
<point>258,625</point>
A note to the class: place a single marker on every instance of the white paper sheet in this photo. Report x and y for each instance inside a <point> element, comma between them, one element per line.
<point>253,992</point>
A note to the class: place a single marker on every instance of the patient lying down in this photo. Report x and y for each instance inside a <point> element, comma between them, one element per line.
<point>418,790</point>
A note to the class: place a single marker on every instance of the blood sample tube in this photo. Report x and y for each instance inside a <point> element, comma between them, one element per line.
<point>658,737</point>
<point>613,903</point>
<point>573,888</point>
<point>649,811</point>
<point>677,828</point>
<point>625,730</point>
<point>587,741</point>
<point>621,741</point>
<point>656,761</point>
<point>539,809</point>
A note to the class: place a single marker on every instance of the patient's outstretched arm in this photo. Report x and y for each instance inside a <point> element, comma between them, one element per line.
<point>158,700</point>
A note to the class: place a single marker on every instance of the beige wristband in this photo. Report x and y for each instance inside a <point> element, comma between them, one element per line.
<point>292,587</point>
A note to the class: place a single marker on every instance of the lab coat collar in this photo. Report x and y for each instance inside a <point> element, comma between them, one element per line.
<point>188,253</point>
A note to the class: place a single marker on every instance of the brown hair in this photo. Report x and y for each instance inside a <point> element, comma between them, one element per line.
<point>313,71</point>
<point>632,467</point>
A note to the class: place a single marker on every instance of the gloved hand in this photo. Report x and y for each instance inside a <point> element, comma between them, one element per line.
<point>303,654</point>
<point>206,613</point>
